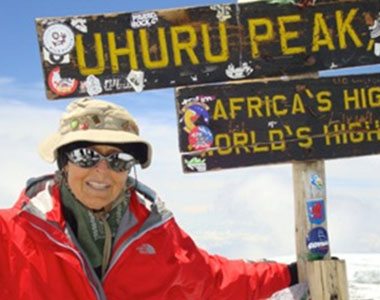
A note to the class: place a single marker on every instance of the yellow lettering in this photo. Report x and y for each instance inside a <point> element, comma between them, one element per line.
<point>303,133</point>
<point>254,104</point>
<point>324,101</point>
<point>356,136</point>
<point>219,111</point>
<point>276,110</point>
<point>128,50</point>
<point>351,98</point>
<point>320,27</point>
<point>277,144</point>
<point>285,35</point>
<point>83,69</point>
<point>162,48</point>
<point>375,132</point>
<point>240,140</point>
<point>185,45</point>
<point>297,106</point>
<point>329,135</point>
<point>256,38</point>
<point>257,146</point>
<point>344,27</point>
<point>235,105</point>
<point>223,144</point>
<point>374,96</point>
<point>223,54</point>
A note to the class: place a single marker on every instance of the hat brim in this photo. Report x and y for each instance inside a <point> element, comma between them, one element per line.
<point>48,148</point>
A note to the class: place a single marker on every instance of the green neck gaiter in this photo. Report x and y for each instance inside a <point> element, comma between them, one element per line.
<point>91,227</point>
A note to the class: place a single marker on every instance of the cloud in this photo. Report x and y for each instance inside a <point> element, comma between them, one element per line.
<point>246,212</point>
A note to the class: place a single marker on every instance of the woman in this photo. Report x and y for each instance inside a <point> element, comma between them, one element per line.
<point>91,231</point>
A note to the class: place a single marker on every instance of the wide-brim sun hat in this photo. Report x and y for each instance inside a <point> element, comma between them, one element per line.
<point>97,121</point>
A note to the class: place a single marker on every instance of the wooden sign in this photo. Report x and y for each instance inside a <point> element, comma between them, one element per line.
<point>113,53</point>
<point>245,124</point>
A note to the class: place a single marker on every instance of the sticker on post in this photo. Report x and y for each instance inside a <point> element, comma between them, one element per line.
<point>317,243</point>
<point>196,164</point>
<point>317,182</point>
<point>61,86</point>
<point>316,211</point>
<point>58,39</point>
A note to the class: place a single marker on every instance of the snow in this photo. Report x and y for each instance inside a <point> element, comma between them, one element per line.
<point>363,275</point>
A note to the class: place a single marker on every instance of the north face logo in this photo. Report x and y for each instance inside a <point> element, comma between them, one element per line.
<point>146,249</point>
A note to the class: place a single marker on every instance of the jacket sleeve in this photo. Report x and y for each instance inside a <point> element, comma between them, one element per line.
<point>225,279</point>
<point>4,255</point>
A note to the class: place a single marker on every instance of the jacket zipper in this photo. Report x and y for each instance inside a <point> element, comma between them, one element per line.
<point>98,294</point>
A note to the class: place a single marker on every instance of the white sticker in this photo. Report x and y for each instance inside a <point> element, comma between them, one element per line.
<point>136,79</point>
<point>374,29</point>
<point>272,124</point>
<point>116,84</point>
<point>239,72</point>
<point>143,19</point>
<point>55,59</point>
<point>79,24</point>
<point>93,85</point>
<point>377,49</point>
<point>223,11</point>
<point>58,39</point>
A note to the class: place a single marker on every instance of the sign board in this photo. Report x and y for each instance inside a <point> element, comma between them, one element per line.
<point>112,53</point>
<point>244,124</point>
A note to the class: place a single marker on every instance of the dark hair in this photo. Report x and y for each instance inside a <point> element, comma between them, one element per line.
<point>138,150</point>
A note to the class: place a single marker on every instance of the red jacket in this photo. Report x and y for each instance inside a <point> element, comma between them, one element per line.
<point>153,259</point>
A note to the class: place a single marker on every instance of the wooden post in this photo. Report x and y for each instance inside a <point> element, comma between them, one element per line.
<point>326,277</point>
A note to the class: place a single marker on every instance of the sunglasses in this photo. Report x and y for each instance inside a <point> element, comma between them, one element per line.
<point>88,158</point>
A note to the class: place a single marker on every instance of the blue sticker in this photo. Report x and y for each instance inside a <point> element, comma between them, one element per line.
<point>316,181</point>
<point>316,211</point>
<point>317,242</point>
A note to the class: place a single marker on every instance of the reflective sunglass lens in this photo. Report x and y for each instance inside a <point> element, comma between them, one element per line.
<point>87,158</point>
<point>120,161</point>
<point>84,157</point>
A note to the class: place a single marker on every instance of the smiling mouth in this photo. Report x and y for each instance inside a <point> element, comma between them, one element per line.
<point>98,186</point>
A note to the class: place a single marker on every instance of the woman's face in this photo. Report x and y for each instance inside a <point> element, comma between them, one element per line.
<point>97,186</point>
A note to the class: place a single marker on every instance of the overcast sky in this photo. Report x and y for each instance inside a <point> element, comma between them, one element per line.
<point>246,212</point>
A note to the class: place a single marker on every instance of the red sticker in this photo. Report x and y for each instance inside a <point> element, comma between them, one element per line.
<point>61,86</point>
